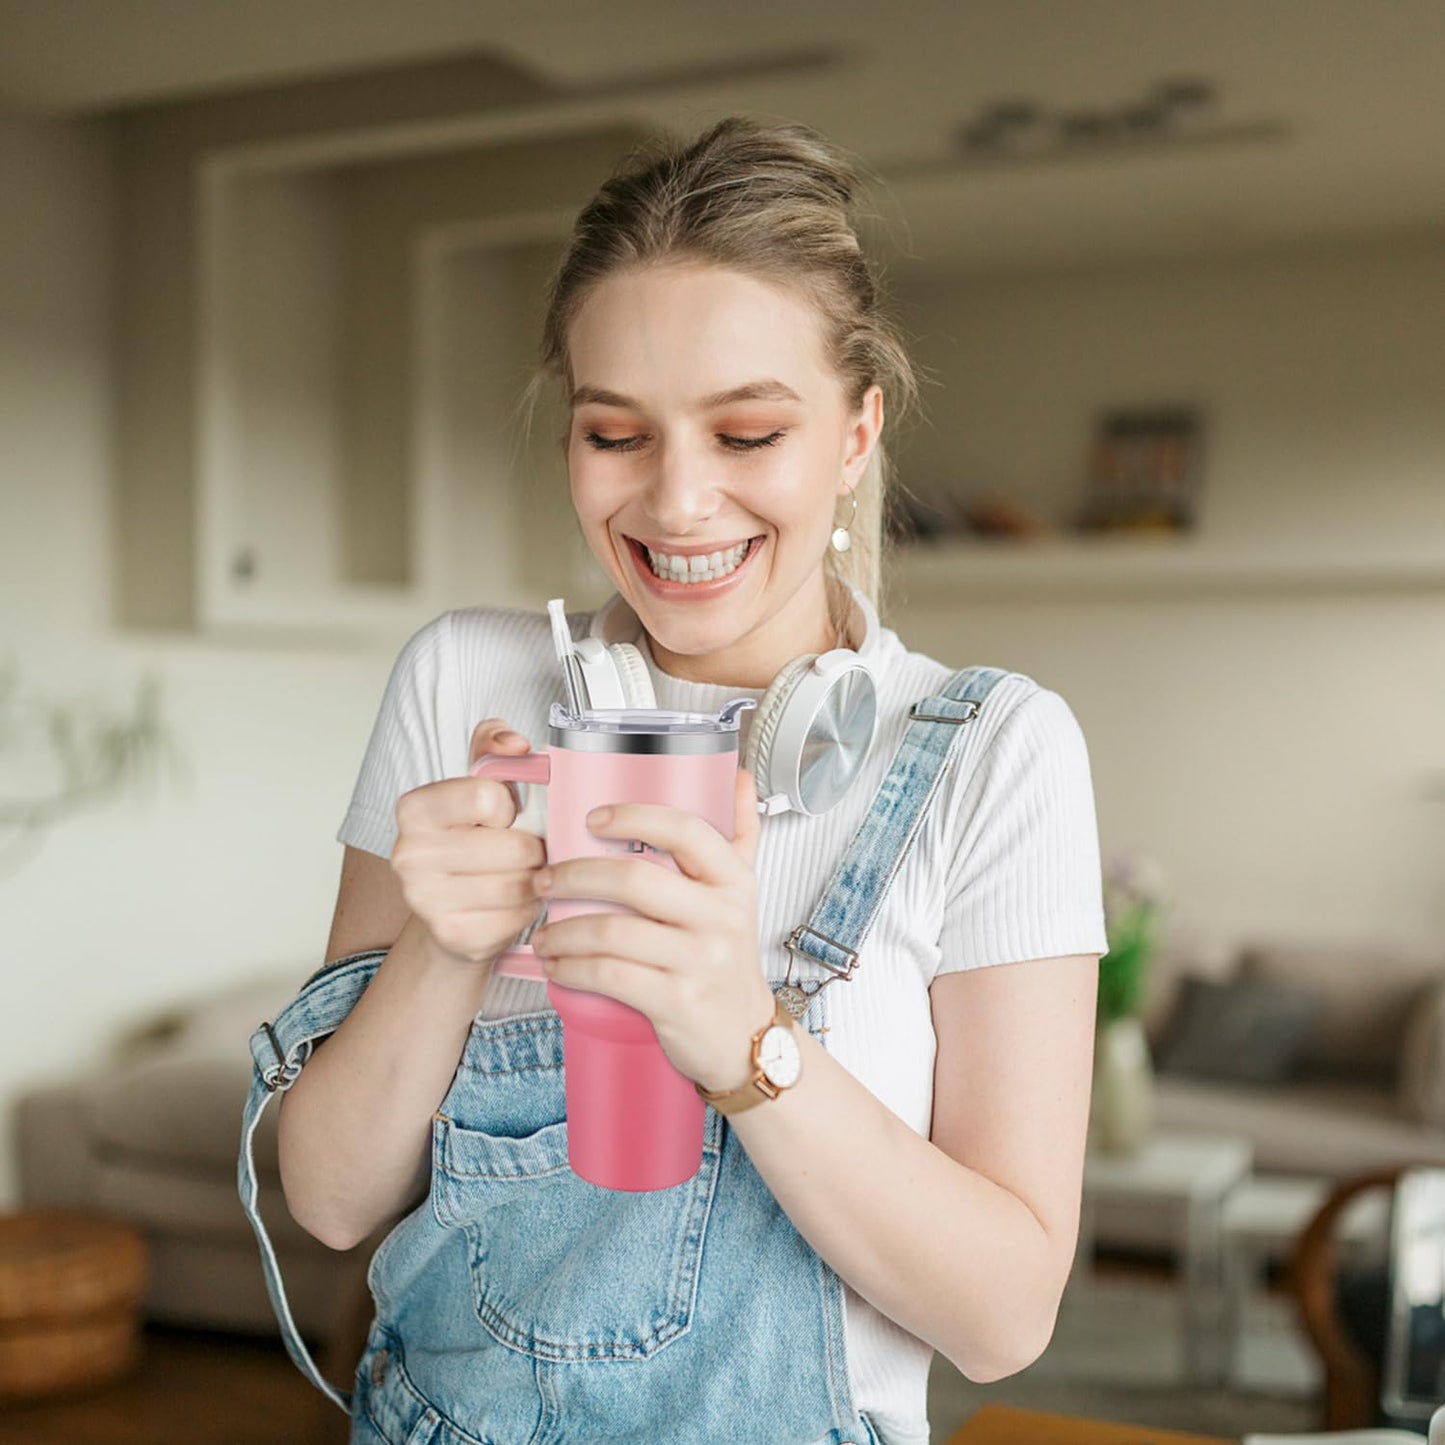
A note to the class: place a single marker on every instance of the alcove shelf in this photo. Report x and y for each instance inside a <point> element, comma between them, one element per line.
<point>326,320</point>
<point>923,571</point>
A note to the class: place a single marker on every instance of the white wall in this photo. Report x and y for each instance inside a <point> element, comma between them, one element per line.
<point>1282,756</point>
<point>232,873</point>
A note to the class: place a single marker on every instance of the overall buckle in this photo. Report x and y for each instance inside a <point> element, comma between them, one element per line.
<point>968,717</point>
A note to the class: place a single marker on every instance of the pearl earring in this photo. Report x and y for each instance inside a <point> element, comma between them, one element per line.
<point>841,540</point>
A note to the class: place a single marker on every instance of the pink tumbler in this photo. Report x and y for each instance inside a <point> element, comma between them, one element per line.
<point>633,1121</point>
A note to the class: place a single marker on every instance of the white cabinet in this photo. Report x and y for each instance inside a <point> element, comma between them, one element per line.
<point>358,453</point>
<point>321,347</point>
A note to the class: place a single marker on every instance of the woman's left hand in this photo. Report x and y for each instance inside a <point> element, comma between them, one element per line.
<point>688,956</point>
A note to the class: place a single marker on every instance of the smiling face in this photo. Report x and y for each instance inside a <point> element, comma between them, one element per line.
<point>706,418</point>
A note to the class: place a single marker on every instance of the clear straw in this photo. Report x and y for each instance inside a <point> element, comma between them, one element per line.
<point>562,641</point>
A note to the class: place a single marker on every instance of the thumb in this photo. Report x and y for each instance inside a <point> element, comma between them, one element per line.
<point>746,825</point>
<point>493,735</point>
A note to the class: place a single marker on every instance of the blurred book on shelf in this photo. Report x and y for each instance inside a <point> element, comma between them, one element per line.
<point>994,514</point>
<point>1145,472</point>
<point>981,514</point>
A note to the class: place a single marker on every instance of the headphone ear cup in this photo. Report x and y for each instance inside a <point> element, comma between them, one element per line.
<point>764,729</point>
<point>633,674</point>
<point>613,675</point>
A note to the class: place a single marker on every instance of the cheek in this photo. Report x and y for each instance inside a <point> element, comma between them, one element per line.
<point>592,491</point>
<point>802,485</point>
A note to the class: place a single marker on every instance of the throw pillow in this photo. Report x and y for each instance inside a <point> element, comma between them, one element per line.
<point>1242,1030</point>
<point>1367,992</point>
<point>1421,1087</point>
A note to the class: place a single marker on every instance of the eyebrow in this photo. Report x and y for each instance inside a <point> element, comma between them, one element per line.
<point>766,390</point>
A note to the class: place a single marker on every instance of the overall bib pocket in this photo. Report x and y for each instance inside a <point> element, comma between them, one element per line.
<point>562,1269</point>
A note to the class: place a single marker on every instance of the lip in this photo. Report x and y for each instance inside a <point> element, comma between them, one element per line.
<point>696,550</point>
<point>682,591</point>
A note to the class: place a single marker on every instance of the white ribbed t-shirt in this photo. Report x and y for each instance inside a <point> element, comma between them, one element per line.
<point>1004,868</point>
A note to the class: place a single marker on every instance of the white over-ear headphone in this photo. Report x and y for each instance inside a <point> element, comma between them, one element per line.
<point>813,727</point>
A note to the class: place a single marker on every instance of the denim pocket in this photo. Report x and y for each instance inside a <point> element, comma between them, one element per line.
<point>388,1407</point>
<point>562,1269</point>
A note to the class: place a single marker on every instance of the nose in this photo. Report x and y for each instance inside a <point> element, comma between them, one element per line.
<point>682,490</point>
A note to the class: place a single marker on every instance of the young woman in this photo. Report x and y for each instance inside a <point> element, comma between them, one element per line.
<point>915,1187</point>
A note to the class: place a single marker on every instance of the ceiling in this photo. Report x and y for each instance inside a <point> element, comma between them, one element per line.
<point>1329,109</point>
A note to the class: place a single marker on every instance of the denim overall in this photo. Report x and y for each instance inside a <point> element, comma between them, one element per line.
<point>521,1305</point>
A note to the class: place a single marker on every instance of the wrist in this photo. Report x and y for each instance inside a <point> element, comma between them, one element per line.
<point>434,963</point>
<point>734,1071</point>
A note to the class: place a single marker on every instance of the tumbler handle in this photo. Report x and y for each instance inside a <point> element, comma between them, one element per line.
<point>518,962</point>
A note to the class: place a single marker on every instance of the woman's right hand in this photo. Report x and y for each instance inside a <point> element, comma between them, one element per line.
<point>465,872</point>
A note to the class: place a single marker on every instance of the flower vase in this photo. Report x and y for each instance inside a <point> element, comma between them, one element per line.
<point>1122,1106</point>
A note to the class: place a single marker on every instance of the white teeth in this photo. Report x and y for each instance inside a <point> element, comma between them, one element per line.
<point>707,567</point>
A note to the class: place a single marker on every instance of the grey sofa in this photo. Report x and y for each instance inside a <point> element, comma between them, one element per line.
<point>1369,1089</point>
<point>153,1138</point>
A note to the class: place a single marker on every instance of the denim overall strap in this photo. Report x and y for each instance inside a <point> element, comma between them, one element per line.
<point>845,913</point>
<point>279,1048</point>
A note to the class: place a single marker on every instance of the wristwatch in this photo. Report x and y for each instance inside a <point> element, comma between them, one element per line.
<point>777,1064</point>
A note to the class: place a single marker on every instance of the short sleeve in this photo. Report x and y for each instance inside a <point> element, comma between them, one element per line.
<point>1025,881</point>
<point>406,747</point>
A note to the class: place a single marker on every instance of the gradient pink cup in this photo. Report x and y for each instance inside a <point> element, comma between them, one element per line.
<point>633,1121</point>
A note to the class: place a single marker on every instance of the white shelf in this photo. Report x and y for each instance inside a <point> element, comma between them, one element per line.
<point>1154,566</point>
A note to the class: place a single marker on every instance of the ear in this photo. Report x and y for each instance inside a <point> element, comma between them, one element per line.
<point>864,429</point>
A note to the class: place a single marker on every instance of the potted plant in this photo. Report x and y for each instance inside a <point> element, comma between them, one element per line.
<point>1123,1071</point>
<point>59,758</point>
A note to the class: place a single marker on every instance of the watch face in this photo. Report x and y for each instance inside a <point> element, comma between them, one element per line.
<point>778,1056</point>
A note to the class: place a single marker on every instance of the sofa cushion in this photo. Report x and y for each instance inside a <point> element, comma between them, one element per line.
<point>1366,995</point>
<point>186,1203</point>
<point>180,1109</point>
<point>1181,957</point>
<point>217,1022</point>
<point>1315,1127</point>
<point>178,1100</point>
<point>1241,1029</point>
<point>1421,1090</point>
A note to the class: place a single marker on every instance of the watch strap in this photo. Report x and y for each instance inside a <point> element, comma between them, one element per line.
<point>759,1088</point>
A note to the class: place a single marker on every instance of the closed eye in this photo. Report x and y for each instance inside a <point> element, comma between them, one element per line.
<point>751,444</point>
<point>732,443</point>
<point>615,444</point>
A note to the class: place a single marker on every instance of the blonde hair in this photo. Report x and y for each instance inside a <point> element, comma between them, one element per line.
<point>779,202</point>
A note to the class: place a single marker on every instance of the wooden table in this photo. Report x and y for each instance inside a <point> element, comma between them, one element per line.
<point>1005,1425</point>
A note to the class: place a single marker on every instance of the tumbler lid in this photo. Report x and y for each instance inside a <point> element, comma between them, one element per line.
<point>647,729</point>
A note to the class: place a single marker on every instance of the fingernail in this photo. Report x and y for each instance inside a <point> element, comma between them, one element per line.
<point>506,735</point>
<point>599,817</point>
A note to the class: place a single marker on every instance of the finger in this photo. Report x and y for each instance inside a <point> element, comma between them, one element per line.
<point>617,978</point>
<point>495,735</point>
<point>697,848</point>
<point>651,889</point>
<point>746,823</point>
<point>473,892</point>
<point>473,850</point>
<point>627,936</point>
<point>456,802</point>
